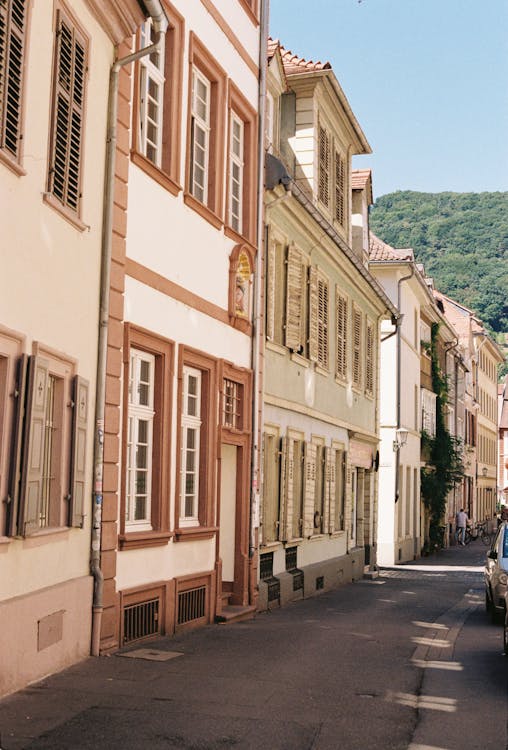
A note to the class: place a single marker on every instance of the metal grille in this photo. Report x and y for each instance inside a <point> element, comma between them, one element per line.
<point>291,562</point>
<point>291,558</point>
<point>273,585</point>
<point>297,579</point>
<point>140,620</point>
<point>191,604</point>
<point>320,582</point>
<point>266,566</point>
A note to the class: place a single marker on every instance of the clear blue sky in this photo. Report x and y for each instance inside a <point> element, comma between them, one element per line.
<point>426,79</point>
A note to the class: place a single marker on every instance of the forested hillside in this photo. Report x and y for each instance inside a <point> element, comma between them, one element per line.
<point>461,238</point>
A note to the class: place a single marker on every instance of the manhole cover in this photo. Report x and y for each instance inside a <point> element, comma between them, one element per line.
<point>151,654</point>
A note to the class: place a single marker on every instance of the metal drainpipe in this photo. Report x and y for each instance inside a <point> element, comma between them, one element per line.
<point>257,401</point>
<point>399,360</point>
<point>160,23</point>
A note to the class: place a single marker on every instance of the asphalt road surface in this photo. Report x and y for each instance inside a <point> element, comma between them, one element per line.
<point>406,661</point>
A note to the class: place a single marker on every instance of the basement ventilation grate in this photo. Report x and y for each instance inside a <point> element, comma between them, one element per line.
<point>191,604</point>
<point>140,620</point>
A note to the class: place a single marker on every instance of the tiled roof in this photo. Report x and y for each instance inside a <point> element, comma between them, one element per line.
<point>379,250</point>
<point>271,47</point>
<point>294,64</point>
<point>360,178</point>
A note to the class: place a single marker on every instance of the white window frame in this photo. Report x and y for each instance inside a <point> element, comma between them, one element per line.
<point>236,162</point>
<point>151,109</point>
<point>136,413</point>
<point>200,124</point>
<point>190,422</point>
<point>429,412</point>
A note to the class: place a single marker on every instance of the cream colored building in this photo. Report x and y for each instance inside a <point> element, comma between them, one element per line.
<point>53,110</point>
<point>324,308</point>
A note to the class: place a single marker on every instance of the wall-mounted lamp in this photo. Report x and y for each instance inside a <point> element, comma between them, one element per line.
<point>400,438</point>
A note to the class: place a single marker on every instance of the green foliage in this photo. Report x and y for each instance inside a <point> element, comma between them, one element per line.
<point>461,238</point>
<point>444,467</point>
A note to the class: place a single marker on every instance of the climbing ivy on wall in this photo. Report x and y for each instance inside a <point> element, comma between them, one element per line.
<point>444,468</point>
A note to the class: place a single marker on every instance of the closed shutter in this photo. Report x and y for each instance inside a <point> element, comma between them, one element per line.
<point>310,483</point>
<point>313,315</point>
<point>13,491</point>
<point>357,347</point>
<point>33,459</point>
<point>323,166</point>
<point>12,50</point>
<point>340,185</point>
<point>78,460</point>
<point>270,507</point>
<point>286,490</point>
<point>68,114</point>
<point>341,335</point>
<point>369,359</point>
<point>294,300</point>
<point>270,292</point>
<point>330,502</point>
<point>323,322</point>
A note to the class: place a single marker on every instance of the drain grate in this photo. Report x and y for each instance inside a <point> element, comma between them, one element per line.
<point>191,604</point>
<point>140,620</point>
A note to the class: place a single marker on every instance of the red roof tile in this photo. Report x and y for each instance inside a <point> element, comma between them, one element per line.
<point>294,64</point>
<point>271,47</point>
<point>360,178</point>
<point>379,250</point>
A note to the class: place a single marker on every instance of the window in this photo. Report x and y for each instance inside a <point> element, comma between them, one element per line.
<point>12,55</point>
<point>425,338</point>
<point>369,358</point>
<point>298,488</point>
<point>232,404</point>
<point>341,306</point>
<point>357,347</point>
<point>242,170</point>
<point>296,302</point>
<point>271,488</point>
<point>197,456</point>
<point>331,176</point>
<point>236,169</point>
<point>158,111</point>
<point>67,114</point>
<point>428,402</point>
<point>140,439</point>
<point>205,176</point>
<point>53,448</point>
<point>340,188</point>
<point>148,363</point>
<point>324,166</point>
<point>338,515</point>
<point>319,491</point>
<point>275,291</point>
<point>319,311</point>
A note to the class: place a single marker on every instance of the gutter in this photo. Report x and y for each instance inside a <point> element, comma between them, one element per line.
<point>257,339</point>
<point>156,13</point>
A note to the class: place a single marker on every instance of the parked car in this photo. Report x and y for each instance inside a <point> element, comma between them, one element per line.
<point>505,631</point>
<point>496,574</point>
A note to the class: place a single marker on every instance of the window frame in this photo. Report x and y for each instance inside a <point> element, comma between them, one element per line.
<point>162,350</point>
<point>239,107</point>
<point>202,61</point>
<point>14,159</point>
<point>167,173</point>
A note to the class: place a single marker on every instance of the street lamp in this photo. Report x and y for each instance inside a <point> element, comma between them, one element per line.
<point>400,438</point>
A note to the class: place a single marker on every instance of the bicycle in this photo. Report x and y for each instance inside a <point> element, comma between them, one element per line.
<point>479,531</point>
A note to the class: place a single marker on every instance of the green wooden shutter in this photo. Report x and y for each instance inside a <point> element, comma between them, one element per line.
<point>33,459</point>
<point>12,52</point>
<point>13,491</point>
<point>78,451</point>
<point>294,299</point>
<point>310,482</point>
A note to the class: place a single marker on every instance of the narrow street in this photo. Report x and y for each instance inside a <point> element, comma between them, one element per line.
<point>408,661</point>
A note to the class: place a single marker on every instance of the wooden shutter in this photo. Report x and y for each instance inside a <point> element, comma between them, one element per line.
<point>313,315</point>
<point>286,489</point>
<point>310,482</point>
<point>294,299</point>
<point>341,335</point>
<point>33,464</point>
<point>270,292</point>
<point>323,322</point>
<point>12,51</point>
<point>340,185</point>
<point>78,451</point>
<point>13,490</point>
<point>323,166</point>
<point>270,506</point>
<point>330,502</point>
<point>357,347</point>
<point>369,359</point>
<point>68,111</point>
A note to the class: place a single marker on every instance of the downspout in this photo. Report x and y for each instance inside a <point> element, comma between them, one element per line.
<point>160,24</point>
<point>399,368</point>
<point>257,339</point>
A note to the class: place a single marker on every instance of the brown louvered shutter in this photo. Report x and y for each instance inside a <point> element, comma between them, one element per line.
<point>341,338</point>
<point>12,51</point>
<point>13,491</point>
<point>313,315</point>
<point>323,322</point>
<point>33,457</point>
<point>323,166</point>
<point>357,347</point>
<point>329,510</point>
<point>78,454</point>
<point>369,359</point>
<point>270,506</point>
<point>270,292</point>
<point>298,488</point>
<point>294,299</point>
<point>68,112</point>
<point>340,188</point>
<point>310,483</point>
